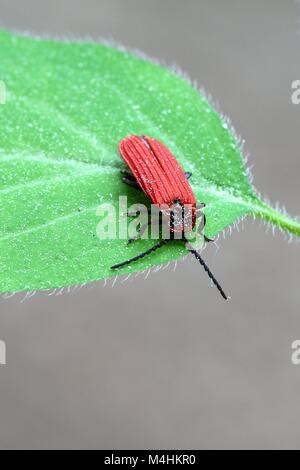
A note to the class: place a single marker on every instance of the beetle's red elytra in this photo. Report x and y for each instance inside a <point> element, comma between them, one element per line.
<point>155,170</point>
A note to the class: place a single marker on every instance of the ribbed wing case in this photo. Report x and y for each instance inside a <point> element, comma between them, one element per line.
<point>156,170</point>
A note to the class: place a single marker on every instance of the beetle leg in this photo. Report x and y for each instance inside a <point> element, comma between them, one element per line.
<point>201,227</point>
<point>130,182</point>
<point>141,210</point>
<point>143,229</point>
<point>140,234</point>
<point>129,179</point>
<point>142,255</point>
<point>127,174</point>
<point>205,237</point>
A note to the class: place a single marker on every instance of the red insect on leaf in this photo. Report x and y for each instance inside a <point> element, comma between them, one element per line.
<point>156,171</point>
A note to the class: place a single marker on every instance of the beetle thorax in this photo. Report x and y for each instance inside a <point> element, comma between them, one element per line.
<point>180,217</point>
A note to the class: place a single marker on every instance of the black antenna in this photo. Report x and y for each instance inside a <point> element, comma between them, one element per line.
<point>142,255</point>
<point>210,274</point>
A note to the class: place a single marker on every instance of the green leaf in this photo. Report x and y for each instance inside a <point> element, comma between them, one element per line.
<point>67,107</point>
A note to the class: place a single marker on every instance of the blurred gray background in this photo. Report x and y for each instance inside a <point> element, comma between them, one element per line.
<point>165,362</point>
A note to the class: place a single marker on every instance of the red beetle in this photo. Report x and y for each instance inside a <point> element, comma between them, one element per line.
<point>155,170</point>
